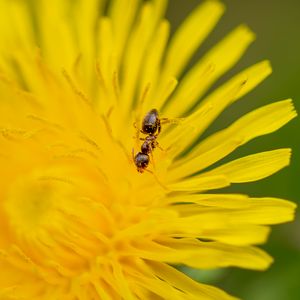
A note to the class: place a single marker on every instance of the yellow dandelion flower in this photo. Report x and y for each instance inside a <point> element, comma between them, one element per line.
<point>77,220</point>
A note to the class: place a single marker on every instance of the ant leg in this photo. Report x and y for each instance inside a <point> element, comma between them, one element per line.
<point>159,147</point>
<point>158,181</point>
<point>158,128</point>
<point>137,134</point>
<point>152,158</point>
<point>138,138</point>
<point>171,121</point>
<point>133,154</point>
<point>138,130</point>
<point>156,145</point>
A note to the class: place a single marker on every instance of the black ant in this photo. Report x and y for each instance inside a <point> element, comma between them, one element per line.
<point>152,127</point>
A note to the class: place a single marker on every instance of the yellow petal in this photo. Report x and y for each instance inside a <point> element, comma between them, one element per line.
<point>227,223</point>
<point>160,7</point>
<point>106,65</point>
<point>53,16</point>
<point>200,184</point>
<point>190,35</point>
<point>234,89</point>
<point>224,256</point>
<point>87,13</point>
<point>106,49</point>
<point>188,167</point>
<point>253,167</point>
<point>264,211</point>
<point>152,63</point>
<point>96,283</point>
<point>213,105</point>
<point>160,289</point>
<point>122,13</point>
<point>133,60</point>
<point>166,89</point>
<point>226,231</point>
<point>182,133</point>
<point>21,32</point>
<point>220,59</point>
<point>223,229</point>
<point>204,255</point>
<point>181,281</point>
<point>240,234</point>
<point>218,200</point>
<point>259,122</point>
<point>121,281</point>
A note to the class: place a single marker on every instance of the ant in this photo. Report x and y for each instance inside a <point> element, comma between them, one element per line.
<point>151,126</point>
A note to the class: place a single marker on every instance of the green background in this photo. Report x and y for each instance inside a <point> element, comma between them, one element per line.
<point>277,26</point>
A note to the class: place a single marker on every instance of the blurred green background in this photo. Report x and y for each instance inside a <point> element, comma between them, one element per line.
<point>277,26</point>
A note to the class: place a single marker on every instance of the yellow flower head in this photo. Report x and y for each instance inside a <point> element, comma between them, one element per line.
<point>77,219</point>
